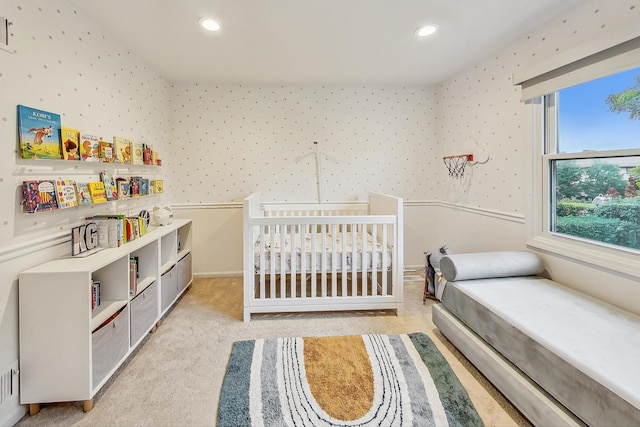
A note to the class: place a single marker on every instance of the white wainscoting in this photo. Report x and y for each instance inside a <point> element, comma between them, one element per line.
<point>217,237</point>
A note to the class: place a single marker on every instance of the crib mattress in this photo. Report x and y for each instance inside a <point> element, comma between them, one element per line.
<point>332,259</point>
<point>561,339</point>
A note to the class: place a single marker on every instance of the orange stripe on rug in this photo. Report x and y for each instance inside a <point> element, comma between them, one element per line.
<point>339,375</point>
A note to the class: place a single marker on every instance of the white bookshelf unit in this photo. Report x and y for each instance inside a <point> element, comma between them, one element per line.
<point>68,350</point>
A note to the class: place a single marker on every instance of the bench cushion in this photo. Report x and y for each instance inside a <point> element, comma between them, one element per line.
<point>583,352</point>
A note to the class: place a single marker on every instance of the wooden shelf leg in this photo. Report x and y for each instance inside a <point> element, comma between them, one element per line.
<point>154,329</point>
<point>34,408</point>
<point>158,323</point>
<point>87,405</point>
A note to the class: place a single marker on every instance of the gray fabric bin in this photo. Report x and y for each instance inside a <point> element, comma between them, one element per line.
<point>144,312</point>
<point>109,345</point>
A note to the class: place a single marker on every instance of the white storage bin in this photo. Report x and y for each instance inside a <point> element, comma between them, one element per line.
<point>144,312</point>
<point>109,345</point>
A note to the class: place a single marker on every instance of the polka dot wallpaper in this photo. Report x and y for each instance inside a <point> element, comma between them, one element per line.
<point>232,140</point>
<point>64,64</point>
<point>479,110</point>
<point>221,142</point>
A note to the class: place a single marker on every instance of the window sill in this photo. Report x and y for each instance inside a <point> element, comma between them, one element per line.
<point>602,257</point>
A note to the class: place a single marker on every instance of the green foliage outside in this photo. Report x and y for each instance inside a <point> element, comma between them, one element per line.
<point>624,209</point>
<point>607,230</point>
<point>627,101</point>
<point>574,181</point>
<point>573,208</point>
<point>616,220</point>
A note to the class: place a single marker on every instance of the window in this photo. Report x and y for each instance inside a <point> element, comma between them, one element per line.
<point>590,145</point>
<point>592,158</point>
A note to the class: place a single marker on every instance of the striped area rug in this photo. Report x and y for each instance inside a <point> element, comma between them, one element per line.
<point>368,380</point>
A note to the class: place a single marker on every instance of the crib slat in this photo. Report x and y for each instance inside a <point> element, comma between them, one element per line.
<point>303,261</point>
<point>314,261</point>
<point>292,257</point>
<point>385,260</point>
<point>334,260</point>
<point>272,271</point>
<point>283,259</point>
<point>263,266</point>
<point>344,260</point>
<point>323,262</point>
<point>374,258</point>
<point>363,269</point>
<point>354,261</point>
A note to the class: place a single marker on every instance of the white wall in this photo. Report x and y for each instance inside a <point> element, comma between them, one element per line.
<point>64,64</point>
<point>229,141</point>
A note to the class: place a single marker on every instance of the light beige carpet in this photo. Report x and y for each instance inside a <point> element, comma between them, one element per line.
<point>174,378</point>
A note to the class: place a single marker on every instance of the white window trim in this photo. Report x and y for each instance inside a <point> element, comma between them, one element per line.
<point>604,257</point>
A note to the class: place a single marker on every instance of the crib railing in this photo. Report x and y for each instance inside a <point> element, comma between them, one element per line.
<point>325,258</point>
<point>301,251</point>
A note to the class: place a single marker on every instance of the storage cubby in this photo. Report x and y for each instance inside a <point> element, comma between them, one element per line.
<point>147,265</point>
<point>69,350</point>
<point>168,250</point>
<point>114,290</point>
<point>184,241</point>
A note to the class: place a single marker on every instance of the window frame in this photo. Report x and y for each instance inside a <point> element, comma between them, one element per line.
<point>610,258</point>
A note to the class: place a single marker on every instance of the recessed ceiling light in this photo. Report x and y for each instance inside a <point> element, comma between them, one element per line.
<point>426,30</point>
<point>209,24</point>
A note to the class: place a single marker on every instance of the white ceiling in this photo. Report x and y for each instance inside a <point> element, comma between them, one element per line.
<point>316,41</point>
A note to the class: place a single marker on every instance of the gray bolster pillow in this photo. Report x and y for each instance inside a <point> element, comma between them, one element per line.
<point>485,265</point>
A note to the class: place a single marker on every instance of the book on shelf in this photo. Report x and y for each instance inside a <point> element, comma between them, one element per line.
<point>89,147</point>
<point>66,190</point>
<point>124,188</point>
<point>97,192</point>
<point>130,228</point>
<point>133,275</point>
<point>144,187</point>
<point>38,133</point>
<point>158,186</point>
<point>138,157</point>
<point>95,294</point>
<point>83,194</point>
<point>122,149</point>
<point>135,186</point>
<point>108,236</point>
<point>106,150</point>
<point>121,237</point>
<point>147,154</point>
<point>110,188</point>
<point>39,196</point>
<point>70,143</point>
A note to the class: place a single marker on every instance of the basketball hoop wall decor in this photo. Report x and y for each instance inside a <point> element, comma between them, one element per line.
<point>457,163</point>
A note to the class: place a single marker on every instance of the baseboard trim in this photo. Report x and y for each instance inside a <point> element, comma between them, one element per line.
<point>217,274</point>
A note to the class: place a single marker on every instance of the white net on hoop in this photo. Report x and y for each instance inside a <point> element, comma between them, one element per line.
<point>456,165</point>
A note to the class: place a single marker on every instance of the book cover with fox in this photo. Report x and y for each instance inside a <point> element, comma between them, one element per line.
<point>38,133</point>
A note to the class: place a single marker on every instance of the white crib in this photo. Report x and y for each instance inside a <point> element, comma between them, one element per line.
<point>323,257</point>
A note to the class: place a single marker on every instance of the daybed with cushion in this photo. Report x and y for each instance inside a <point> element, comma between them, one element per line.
<point>561,357</point>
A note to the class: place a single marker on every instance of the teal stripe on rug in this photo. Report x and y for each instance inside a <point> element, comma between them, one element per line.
<point>456,402</point>
<point>233,410</point>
